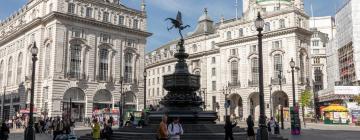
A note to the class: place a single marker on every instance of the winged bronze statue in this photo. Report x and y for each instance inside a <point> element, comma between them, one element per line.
<point>177,23</point>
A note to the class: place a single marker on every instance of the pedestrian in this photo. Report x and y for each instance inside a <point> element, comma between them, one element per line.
<point>229,129</point>
<point>162,133</point>
<point>58,127</point>
<point>95,130</point>
<point>272,125</point>
<point>107,131</point>
<point>250,131</point>
<point>111,120</point>
<point>175,129</point>
<point>5,131</point>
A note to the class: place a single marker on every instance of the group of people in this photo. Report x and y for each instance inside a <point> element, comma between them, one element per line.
<point>171,131</point>
<point>229,129</point>
<point>105,133</point>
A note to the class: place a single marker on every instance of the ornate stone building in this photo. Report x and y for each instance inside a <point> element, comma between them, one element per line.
<point>225,55</point>
<point>86,47</point>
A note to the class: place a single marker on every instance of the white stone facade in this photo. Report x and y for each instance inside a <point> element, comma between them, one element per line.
<point>85,47</point>
<point>224,55</point>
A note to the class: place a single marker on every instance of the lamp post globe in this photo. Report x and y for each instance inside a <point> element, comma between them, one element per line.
<point>34,50</point>
<point>292,63</point>
<point>259,22</point>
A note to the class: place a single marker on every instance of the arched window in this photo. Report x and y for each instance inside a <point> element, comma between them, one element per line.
<point>267,26</point>
<point>194,47</point>
<point>254,70</point>
<point>277,65</point>
<point>75,61</point>
<point>228,35</point>
<point>212,44</point>
<point>103,69</point>
<point>1,72</point>
<point>282,23</point>
<point>19,68</point>
<point>128,67</point>
<point>47,61</point>
<point>302,68</point>
<point>234,72</point>
<point>10,70</point>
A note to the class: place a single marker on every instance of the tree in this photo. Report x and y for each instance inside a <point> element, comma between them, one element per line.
<point>305,100</point>
<point>357,99</point>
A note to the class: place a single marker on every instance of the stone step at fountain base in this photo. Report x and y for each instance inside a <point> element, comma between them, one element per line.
<point>192,132</point>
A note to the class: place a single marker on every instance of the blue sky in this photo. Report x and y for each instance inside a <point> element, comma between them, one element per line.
<point>158,10</point>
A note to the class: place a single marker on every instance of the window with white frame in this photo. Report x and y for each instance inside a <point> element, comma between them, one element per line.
<point>75,61</point>
<point>106,16</point>
<point>213,60</point>
<point>277,44</point>
<point>128,67</point>
<point>212,44</point>
<point>77,33</point>
<point>234,71</point>
<point>1,72</point>
<point>233,52</point>
<point>277,65</point>
<point>89,12</point>
<point>241,32</point>
<point>315,43</point>
<point>254,70</point>
<point>194,47</point>
<point>105,38</point>
<point>19,68</point>
<point>267,27</point>
<point>121,20</point>
<point>104,64</point>
<point>71,8</point>
<point>253,49</point>
<point>228,35</point>
<point>282,23</point>
<point>10,71</point>
<point>213,72</point>
<point>47,61</point>
<point>136,24</point>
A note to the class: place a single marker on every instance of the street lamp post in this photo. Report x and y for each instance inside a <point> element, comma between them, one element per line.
<point>225,92</point>
<point>3,105</point>
<point>122,98</point>
<point>145,74</point>
<point>271,104</point>
<point>204,92</point>
<point>295,122</point>
<point>259,24</point>
<point>29,131</point>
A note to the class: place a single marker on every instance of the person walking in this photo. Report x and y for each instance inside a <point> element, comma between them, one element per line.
<point>175,129</point>
<point>272,125</point>
<point>95,130</point>
<point>229,129</point>
<point>250,131</point>
<point>162,133</point>
<point>58,127</point>
<point>5,131</point>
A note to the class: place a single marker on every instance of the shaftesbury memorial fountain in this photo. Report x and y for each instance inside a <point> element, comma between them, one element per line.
<point>181,100</point>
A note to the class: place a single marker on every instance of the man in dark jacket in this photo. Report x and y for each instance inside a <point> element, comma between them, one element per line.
<point>228,129</point>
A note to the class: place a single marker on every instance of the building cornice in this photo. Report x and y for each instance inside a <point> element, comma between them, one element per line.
<point>171,60</point>
<point>265,35</point>
<point>58,15</point>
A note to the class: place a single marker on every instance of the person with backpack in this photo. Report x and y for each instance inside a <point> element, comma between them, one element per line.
<point>95,129</point>
<point>175,129</point>
<point>162,133</point>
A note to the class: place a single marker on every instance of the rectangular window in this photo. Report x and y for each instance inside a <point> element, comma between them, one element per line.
<point>241,32</point>
<point>149,82</point>
<point>106,17</point>
<point>213,60</point>
<point>277,45</point>
<point>158,80</point>
<point>121,20</point>
<point>233,52</point>
<point>253,49</point>
<point>136,24</point>
<point>213,72</point>
<point>71,8</point>
<point>158,70</point>
<point>157,92</point>
<point>169,68</point>
<point>153,81</point>
<point>163,69</point>
<point>315,43</point>
<point>89,12</point>
<point>105,38</point>
<point>49,31</point>
<point>77,33</point>
<point>213,85</point>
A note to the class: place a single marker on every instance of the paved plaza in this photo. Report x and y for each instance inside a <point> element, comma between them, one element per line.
<point>311,132</point>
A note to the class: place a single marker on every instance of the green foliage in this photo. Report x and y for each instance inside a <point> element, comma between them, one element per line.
<point>357,99</point>
<point>305,98</point>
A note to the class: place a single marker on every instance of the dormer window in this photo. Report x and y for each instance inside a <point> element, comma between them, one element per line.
<point>89,12</point>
